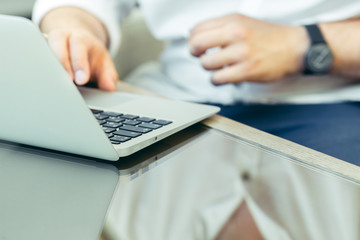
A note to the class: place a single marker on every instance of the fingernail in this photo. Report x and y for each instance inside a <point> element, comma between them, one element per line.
<point>46,36</point>
<point>80,77</point>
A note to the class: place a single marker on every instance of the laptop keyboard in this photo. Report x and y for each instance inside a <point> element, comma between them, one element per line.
<point>121,127</point>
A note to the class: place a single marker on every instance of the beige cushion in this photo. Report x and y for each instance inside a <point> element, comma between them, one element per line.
<point>138,45</point>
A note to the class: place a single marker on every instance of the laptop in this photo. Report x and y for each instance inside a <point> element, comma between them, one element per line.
<point>40,105</point>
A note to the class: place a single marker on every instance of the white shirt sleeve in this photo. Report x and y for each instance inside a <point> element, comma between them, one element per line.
<point>109,12</point>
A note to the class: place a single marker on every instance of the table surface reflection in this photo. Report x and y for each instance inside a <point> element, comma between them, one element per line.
<point>47,195</point>
<point>187,186</point>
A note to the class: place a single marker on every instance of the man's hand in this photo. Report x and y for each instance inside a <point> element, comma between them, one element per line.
<point>84,57</point>
<point>80,44</point>
<point>249,49</point>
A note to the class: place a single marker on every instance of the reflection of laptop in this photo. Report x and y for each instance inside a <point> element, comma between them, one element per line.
<point>41,106</point>
<point>52,196</point>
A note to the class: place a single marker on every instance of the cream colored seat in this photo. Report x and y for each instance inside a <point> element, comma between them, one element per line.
<point>138,45</point>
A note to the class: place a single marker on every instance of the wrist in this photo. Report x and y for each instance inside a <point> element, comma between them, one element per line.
<point>298,45</point>
<point>346,56</point>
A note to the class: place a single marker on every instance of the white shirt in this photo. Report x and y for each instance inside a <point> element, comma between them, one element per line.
<point>182,76</point>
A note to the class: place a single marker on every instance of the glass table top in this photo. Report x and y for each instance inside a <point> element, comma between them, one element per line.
<point>188,185</point>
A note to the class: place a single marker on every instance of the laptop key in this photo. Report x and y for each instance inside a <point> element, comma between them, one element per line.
<point>111,114</point>
<point>119,139</point>
<point>108,130</point>
<point>112,124</point>
<point>129,116</point>
<point>145,119</point>
<point>132,122</point>
<point>126,133</point>
<point>115,119</point>
<point>162,122</point>
<point>100,117</point>
<point>150,125</point>
<point>135,129</point>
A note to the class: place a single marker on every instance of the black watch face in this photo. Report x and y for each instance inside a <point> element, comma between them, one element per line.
<point>319,58</point>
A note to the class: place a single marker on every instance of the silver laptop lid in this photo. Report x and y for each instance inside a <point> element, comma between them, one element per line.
<point>39,103</point>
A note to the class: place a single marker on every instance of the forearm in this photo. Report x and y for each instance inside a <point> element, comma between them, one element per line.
<point>344,40</point>
<point>74,18</point>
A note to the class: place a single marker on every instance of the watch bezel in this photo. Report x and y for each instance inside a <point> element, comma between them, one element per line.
<point>315,67</point>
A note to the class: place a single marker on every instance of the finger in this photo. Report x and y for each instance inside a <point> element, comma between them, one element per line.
<point>202,41</point>
<point>221,37</point>
<point>59,43</point>
<point>209,24</point>
<point>79,60</point>
<point>232,74</point>
<point>107,75</point>
<point>229,55</point>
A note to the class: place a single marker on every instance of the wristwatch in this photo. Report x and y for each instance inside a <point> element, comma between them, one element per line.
<point>318,58</point>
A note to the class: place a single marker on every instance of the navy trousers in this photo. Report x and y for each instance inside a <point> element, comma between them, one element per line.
<point>333,129</point>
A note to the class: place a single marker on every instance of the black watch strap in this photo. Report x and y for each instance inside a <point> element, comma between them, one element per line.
<point>318,58</point>
<point>314,34</point>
